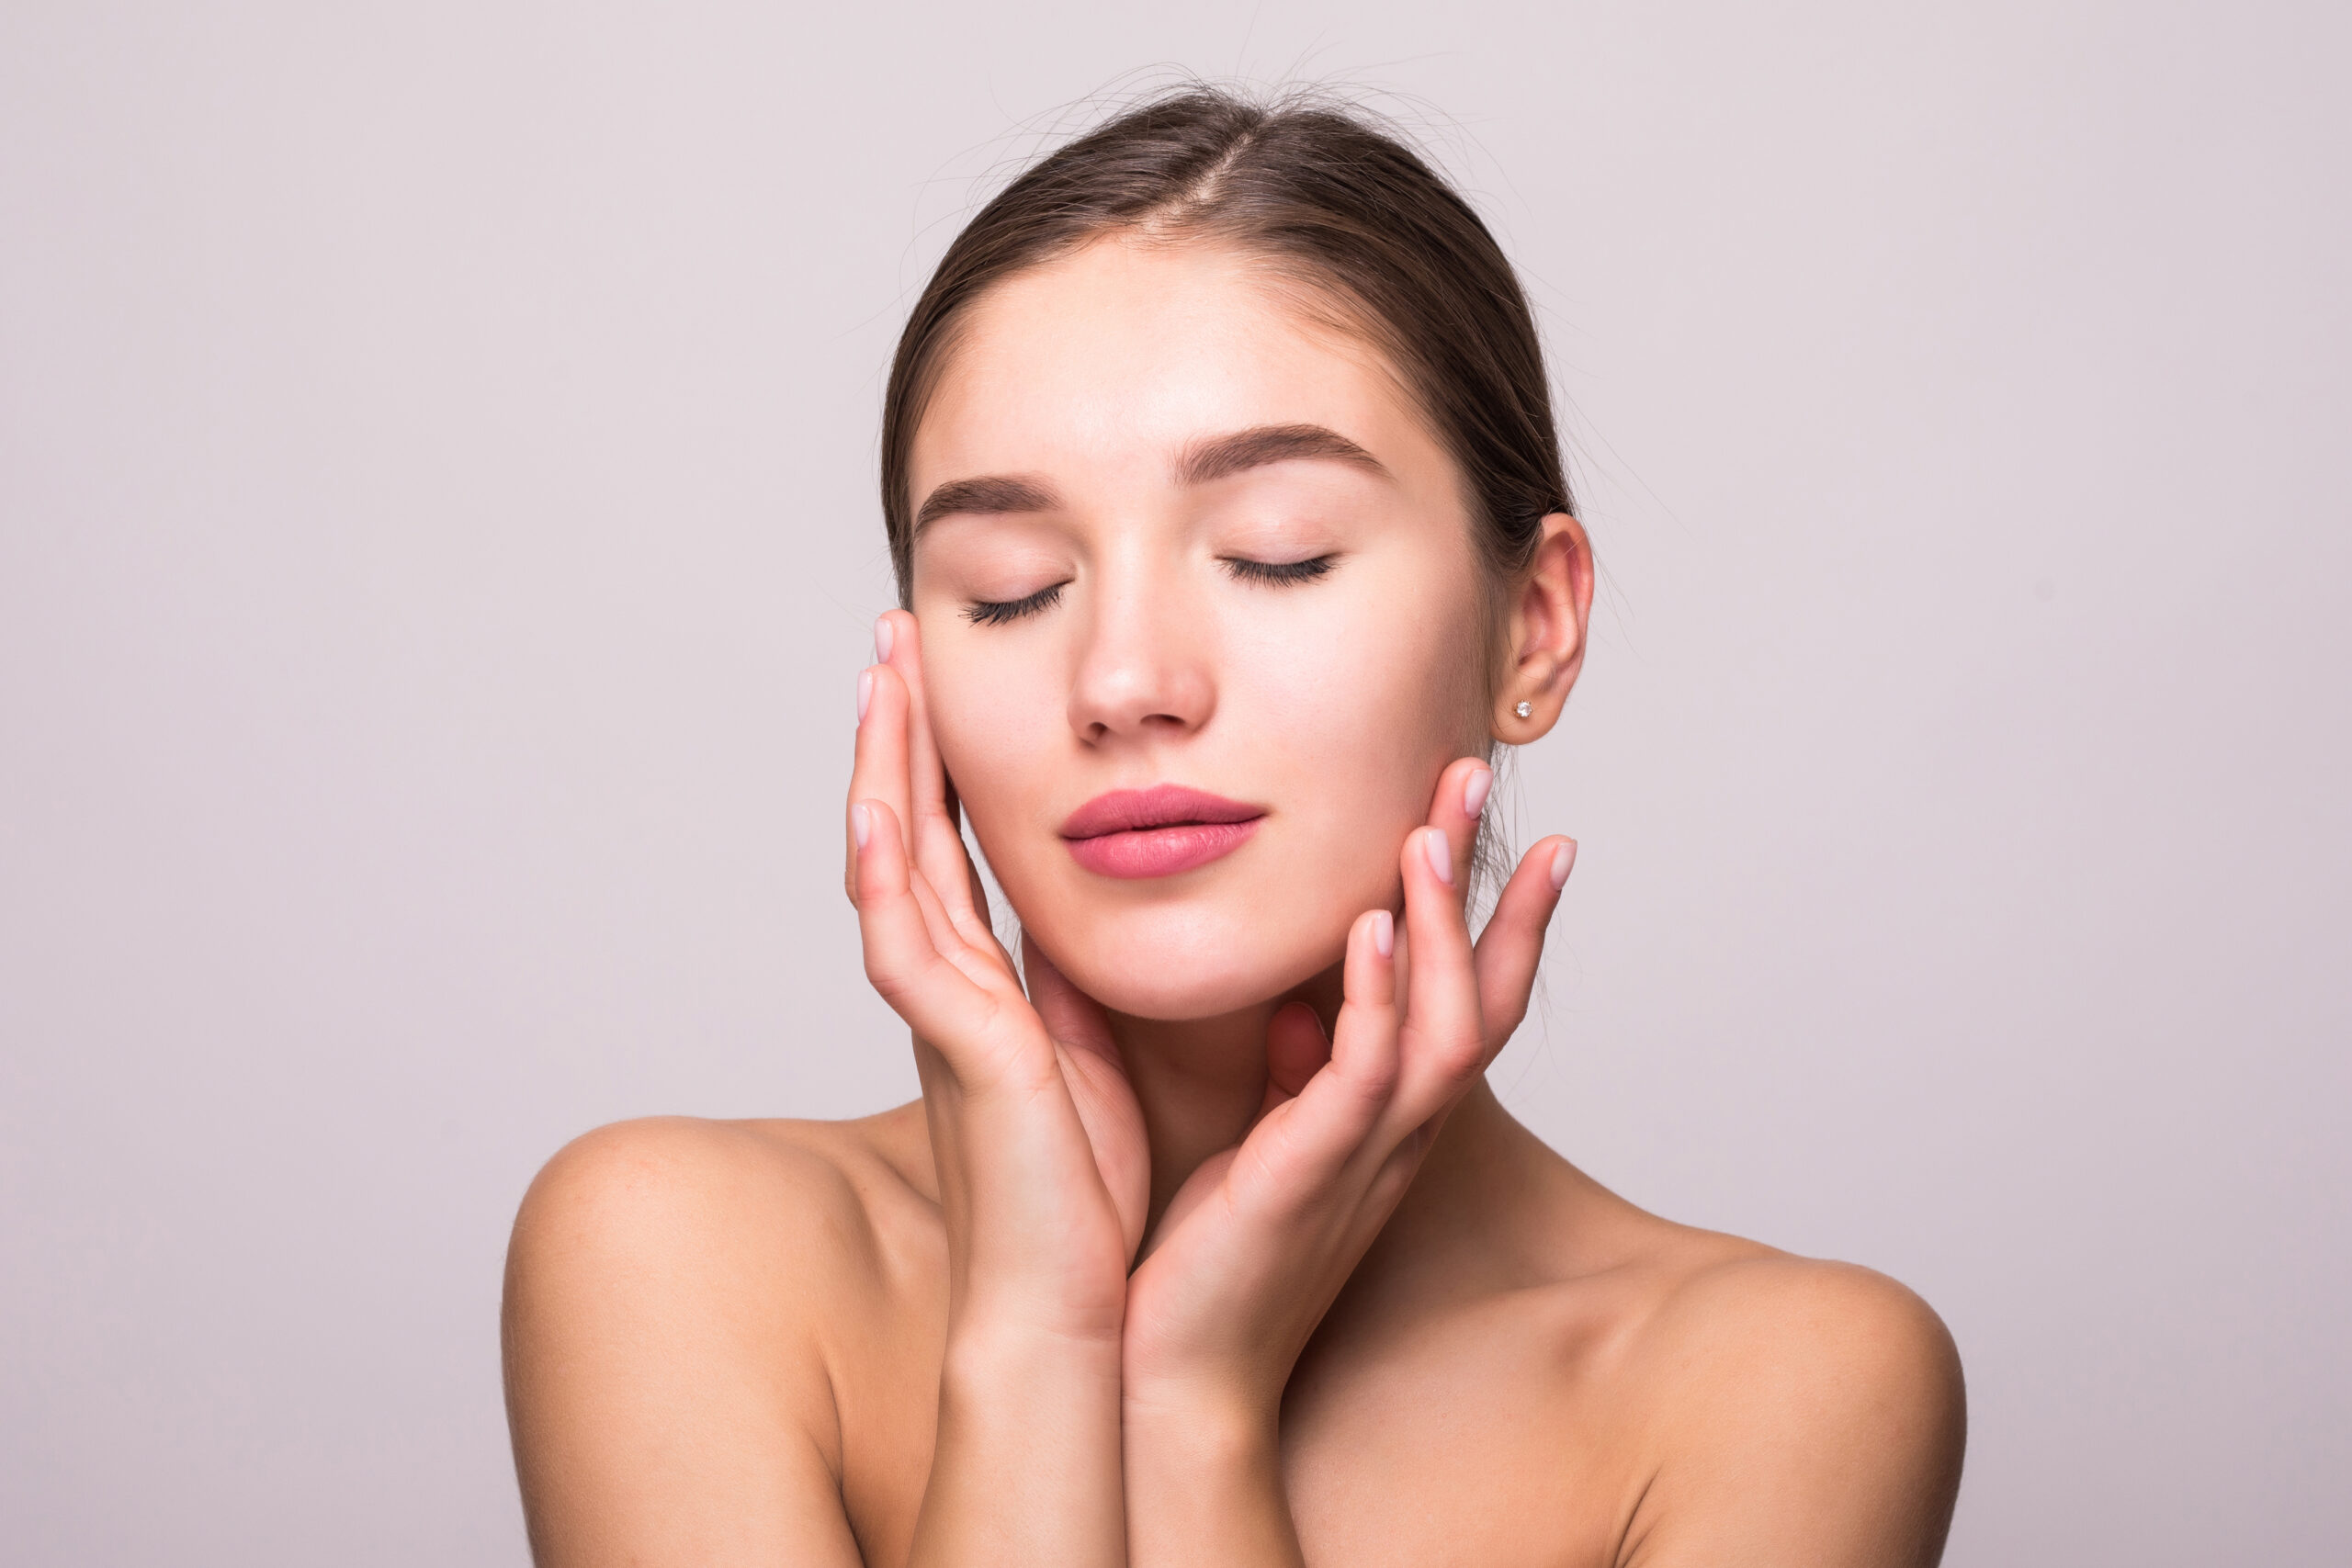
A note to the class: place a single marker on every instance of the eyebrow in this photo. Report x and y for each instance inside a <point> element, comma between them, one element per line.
<point>996,493</point>
<point>1214,458</point>
<point>1219,456</point>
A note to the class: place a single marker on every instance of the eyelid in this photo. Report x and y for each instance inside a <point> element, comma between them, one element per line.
<point>1280,572</point>
<point>998,611</point>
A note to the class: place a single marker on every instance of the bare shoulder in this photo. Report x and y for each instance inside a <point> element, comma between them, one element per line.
<point>1801,1411</point>
<point>671,1182</point>
<point>674,1293</point>
<point>757,1218</point>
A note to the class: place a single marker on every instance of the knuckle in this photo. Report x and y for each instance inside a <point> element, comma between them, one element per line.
<point>886,977</point>
<point>1373,1076</point>
<point>1461,1055</point>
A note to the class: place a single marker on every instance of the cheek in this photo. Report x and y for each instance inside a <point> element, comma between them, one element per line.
<point>1001,732</point>
<point>1375,677</point>
<point>1354,714</point>
<point>1338,712</point>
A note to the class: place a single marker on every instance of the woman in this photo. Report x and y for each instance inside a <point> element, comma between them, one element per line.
<point>1231,531</point>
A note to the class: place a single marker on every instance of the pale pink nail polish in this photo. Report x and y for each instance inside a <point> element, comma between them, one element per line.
<point>884,636</point>
<point>860,824</point>
<point>864,692</point>
<point>1473,791</point>
<point>1383,933</point>
<point>1441,852</point>
<point>1563,860</point>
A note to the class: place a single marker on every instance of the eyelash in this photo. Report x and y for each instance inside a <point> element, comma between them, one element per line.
<point>996,613</point>
<point>1277,574</point>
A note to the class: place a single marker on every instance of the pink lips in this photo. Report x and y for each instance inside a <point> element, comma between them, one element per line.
<point>1158,831</point>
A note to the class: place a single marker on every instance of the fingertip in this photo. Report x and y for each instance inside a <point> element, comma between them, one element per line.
<point>1438,852</point>
<point>1297,1017</point>
<point>1474,789</point>
<point>885,635</point>
<point>1563,861</point>
<point>861,824</point>
<point>1383,933</point>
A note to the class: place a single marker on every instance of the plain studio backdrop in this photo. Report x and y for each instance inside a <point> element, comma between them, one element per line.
<point>438,538</point>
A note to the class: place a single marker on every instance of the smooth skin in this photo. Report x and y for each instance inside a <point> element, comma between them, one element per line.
<point>1207,1242</point>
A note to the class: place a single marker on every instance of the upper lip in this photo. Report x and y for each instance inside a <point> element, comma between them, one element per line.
<point>1162,806</point>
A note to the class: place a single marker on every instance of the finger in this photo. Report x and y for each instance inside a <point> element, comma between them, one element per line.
<point>880,771</point>
<point>1441,1043</point>
<point>1457,806</point>
<point>1296,1051</point>
<point>881,774</point>
<point>937,835</point>
<point>898,642</point>
<point>1512,946</point>
<point>947,936</point>
<point>902,960</point>
<point>1300,1145</point>
<point>1365,1042</point>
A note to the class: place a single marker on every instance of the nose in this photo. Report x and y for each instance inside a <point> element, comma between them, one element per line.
<point>1144,671</point>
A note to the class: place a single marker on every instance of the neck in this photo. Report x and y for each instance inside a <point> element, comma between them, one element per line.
<point>1201,1082</point>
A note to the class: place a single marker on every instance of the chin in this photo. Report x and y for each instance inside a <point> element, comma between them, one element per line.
<point>1177,965</point>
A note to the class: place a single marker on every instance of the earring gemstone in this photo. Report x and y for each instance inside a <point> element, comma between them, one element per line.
<point>1524,710</point>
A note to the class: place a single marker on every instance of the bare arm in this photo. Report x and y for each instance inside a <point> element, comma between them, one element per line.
<point>665,1382</point>
<point>670,1289</point>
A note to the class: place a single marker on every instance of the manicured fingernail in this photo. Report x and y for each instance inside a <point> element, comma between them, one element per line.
<point>860,824</point>
<point>884,636</point>
<point>1441,852</point>
<point>864,692</point>
<point>1473,791</point>
<point>1563,860</point>
<point>1383,933</point>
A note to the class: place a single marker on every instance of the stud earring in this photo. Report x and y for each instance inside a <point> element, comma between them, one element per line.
<point>1524,710</point>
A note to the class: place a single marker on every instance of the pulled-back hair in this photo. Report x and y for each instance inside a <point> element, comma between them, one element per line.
<point>1334,205</point>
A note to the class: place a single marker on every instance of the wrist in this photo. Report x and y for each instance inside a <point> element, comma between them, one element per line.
<point>1209,1423</point>
<point>1203,1478</point>
<point>995,1362</point>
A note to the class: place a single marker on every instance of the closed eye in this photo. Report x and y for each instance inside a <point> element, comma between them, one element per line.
<point>1279,572</point>
<point>996,611</point>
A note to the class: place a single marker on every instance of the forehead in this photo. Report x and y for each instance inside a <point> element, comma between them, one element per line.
<point>1108,360</point>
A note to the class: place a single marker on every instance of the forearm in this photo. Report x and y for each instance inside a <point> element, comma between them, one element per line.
<point>1025,1468</point>
<point>1204,1486</point>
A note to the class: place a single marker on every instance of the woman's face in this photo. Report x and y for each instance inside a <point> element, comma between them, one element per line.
<point>1171,531</point>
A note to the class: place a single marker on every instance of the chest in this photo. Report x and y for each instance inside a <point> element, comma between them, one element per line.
<point>1484,1438</point>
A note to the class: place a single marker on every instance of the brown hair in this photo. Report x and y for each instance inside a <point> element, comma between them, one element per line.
<point>1335,204</point>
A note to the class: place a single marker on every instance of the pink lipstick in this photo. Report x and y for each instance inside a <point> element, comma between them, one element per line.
<point>1157,832</point>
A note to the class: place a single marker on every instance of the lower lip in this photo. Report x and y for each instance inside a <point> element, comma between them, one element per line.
<point>1160,852</point>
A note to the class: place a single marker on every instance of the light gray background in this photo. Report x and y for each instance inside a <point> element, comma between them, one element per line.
<point>436,540</point>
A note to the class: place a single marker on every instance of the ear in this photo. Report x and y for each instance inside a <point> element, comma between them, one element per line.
<point>1549,612</point>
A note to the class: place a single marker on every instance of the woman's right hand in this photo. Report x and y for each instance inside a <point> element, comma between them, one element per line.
<point>1043,1169</point>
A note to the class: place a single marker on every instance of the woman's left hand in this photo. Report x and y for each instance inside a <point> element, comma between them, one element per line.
<point>1256,1245</point>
